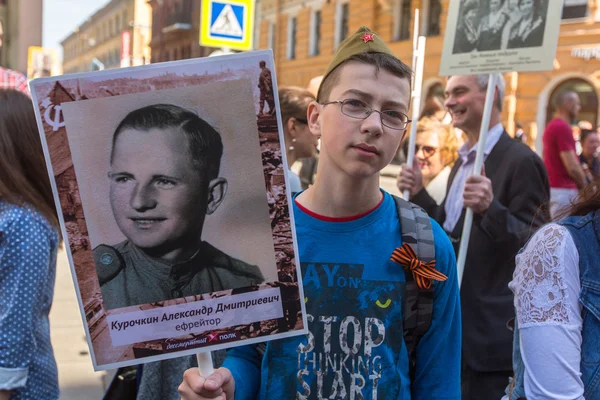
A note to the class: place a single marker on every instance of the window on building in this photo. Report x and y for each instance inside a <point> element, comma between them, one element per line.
<point>111,32</point>
<point>271,37</point>
<point>315,33</point>
<point>344,21</point>
<point>156,26</point>
<point>575,9</point>
<point>175,54</point>
<point>402,17</point>
<point>117,23</point>
<point>125,20</point>
<point>433,17</point>
<point>342,14</point>
<point>291,40</point>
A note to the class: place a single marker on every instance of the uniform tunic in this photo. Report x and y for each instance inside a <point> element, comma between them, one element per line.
<point>128,276</point>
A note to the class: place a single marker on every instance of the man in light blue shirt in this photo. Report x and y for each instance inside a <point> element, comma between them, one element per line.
<point>506,200</point>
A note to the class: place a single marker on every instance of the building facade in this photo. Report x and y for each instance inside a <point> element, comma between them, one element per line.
<point>21,27</point>
<point>118,35</point>
<point>304,35</point>
<point>176,30</point>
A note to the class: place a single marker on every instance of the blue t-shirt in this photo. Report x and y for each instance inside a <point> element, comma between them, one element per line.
<point>353,296</point>
<point>28,247</point>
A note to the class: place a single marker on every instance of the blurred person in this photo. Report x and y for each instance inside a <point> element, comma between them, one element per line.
<point>313,85</point>
<point>299,142</point>
<point>528,31</point>
<point>435,152</point>
<point>564,170</point>
<point>590,144</point>
<point>557,324</point>
<point>10,79</point>
<point>310,164</point>
<point>505,200</point>
<point>585,125</point>
<point>434,108</point>
<point>29,242</point>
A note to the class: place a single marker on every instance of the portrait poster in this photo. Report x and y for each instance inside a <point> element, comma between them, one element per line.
<point>500,36</point>
<point>170,181</point>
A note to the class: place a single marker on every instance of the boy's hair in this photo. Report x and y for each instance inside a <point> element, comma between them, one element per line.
<point>380,61</point>
<point>205,145</point>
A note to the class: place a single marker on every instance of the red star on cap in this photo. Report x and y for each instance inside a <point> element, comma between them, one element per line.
<point>367,37</point>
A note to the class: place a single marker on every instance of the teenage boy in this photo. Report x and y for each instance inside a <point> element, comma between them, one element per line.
<point>347,229</point>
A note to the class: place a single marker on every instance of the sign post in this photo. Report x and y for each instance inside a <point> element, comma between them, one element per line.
<point>227,24</point>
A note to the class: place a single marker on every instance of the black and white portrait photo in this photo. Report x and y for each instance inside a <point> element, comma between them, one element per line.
<point>489,25</point>
<point>164,181</point>
<point>500,35</point>
<point>170,187</point>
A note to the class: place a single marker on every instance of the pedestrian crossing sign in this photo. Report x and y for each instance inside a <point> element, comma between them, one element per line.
<point>227,23</point>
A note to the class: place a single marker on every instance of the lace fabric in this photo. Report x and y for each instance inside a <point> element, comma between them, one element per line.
<point>539,280</point>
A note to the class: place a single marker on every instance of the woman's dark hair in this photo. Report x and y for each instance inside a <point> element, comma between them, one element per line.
<point>587,202</point>
<point>293,102</point>
<point>23,174</point>
<point>585,133</point>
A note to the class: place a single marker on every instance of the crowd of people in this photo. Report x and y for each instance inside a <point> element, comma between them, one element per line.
<point>524,323</point>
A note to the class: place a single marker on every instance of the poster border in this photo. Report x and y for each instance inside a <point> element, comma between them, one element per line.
<point>50,168</point>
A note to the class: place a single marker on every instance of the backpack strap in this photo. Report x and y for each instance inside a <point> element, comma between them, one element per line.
<point>418,303</point>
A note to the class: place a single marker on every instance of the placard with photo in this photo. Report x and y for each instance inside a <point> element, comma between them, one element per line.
<point>500,36</point>
<point>174,207</point>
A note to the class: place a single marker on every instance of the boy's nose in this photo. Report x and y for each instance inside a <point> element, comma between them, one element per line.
<point>372,124</point>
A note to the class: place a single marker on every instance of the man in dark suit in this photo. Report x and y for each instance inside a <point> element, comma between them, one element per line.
<point>506,200</point>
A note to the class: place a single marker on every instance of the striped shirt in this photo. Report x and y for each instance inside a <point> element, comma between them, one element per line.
<point>10,79</point>
<point>454,200</point>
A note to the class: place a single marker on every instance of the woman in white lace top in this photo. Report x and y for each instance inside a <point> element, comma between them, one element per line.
<point>556,287</point>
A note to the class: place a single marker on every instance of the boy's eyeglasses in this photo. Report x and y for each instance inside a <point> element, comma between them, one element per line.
<point>428,151</point>
<point>360,110</point>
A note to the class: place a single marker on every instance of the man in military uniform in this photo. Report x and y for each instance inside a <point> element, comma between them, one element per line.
<point>164,180</point>
<point>265,84</point>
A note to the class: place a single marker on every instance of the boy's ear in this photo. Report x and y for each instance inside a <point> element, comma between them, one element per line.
<point>217,188</point>
<point>314,120</point>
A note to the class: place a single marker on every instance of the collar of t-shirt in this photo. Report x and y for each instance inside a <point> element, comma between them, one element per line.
<point>338,219</point>
<point>454,200</point>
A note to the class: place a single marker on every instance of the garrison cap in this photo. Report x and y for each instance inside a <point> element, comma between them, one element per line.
<point>363,41</point>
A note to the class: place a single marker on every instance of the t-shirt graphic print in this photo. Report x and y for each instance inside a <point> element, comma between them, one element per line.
<point>354,341</point>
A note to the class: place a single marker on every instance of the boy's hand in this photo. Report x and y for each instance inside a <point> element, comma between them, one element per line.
<point>410,178</point>
<point>219,385</point>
